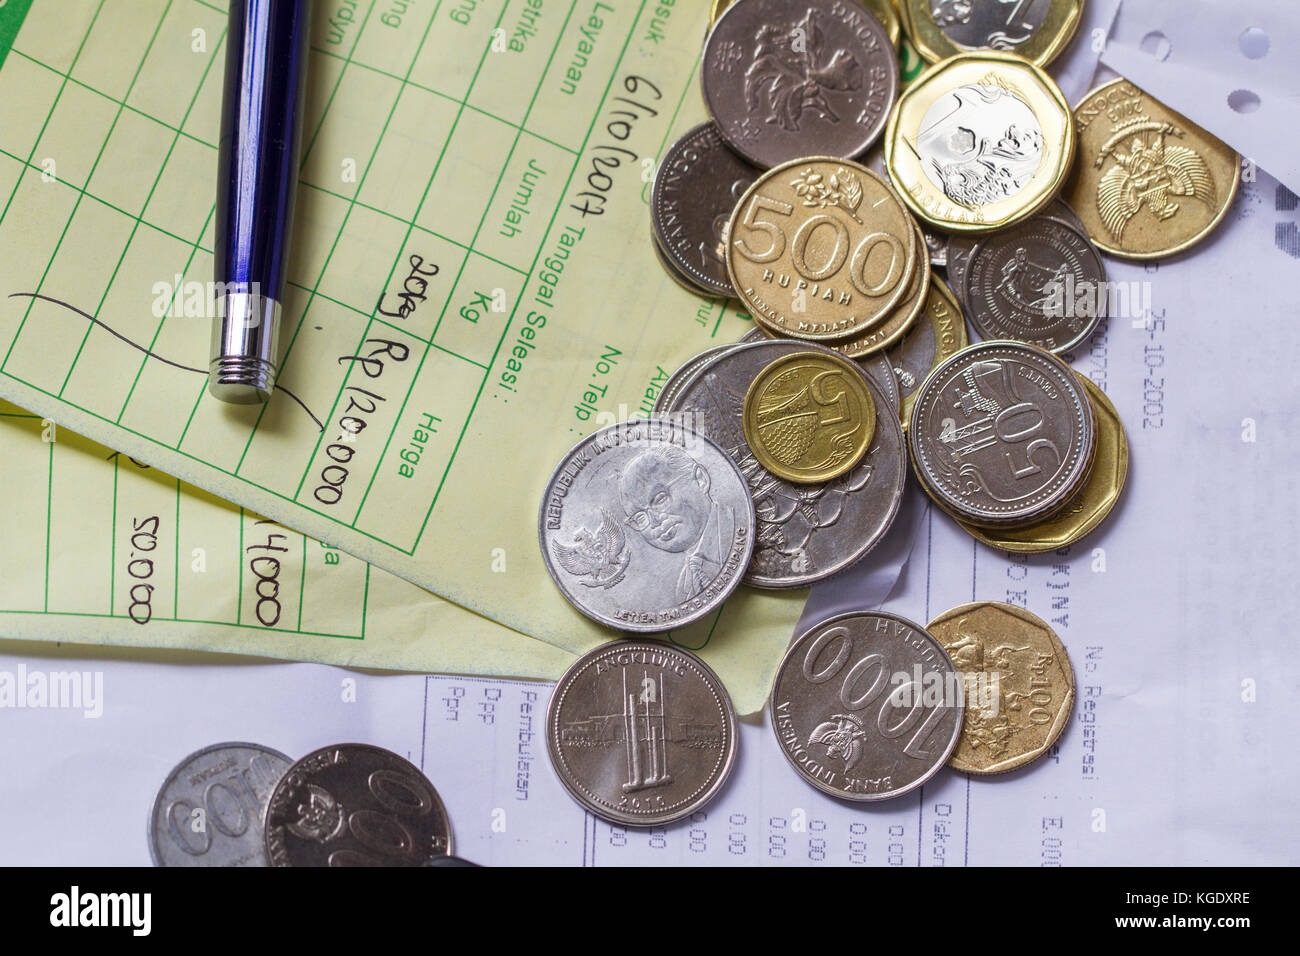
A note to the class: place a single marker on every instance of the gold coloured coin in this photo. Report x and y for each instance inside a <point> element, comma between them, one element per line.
<point>979,141</point>
<point>1019,684</point>
<point>1037,30</point>
<point>1149,182</point>
<point>821,249</point>
<point>883,9</point>
<point>884,334</point>
<point>808,417</point>
<point>1090,506</point>
<point>939,332</point>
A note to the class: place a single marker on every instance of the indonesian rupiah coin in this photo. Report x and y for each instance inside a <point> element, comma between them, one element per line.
<point>641,733</point>
<point>1087,509</point>
<point>980,141</point>
<point>805,532</point>
<point>208,811</point>
<point>939,333</point>
<point>1149,182</point>
<point>1040,281</point>
<point>355,805</point>
<point>1019,684</point>
<point>866,706</point>
<point>1037,30</point>
<point>696,187</point>
<point>821,249</point>
<point>675,272</point>
<point>898,322</point>
<point>677,379</point>
<point>790,78</point>
<point>1002,434</point>
<point>809,417</point>
<point>646,525</point>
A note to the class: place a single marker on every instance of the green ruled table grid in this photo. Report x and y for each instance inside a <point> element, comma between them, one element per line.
<point>364,215</point>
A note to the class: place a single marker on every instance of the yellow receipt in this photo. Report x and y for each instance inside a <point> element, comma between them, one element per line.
<point>473,285</point>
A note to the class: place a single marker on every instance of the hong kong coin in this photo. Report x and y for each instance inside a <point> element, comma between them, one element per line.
<point>809,417</point>
<point>877,368</point>
<point>805,532</point>
<point>1019,684</point>
<point>821,249</point>
<point>1149,182</point>
<point>1087,509</point>
<point>904,316</point>
<point>939,334</point>
<point>790,78</point>
<point>866,706</point>
<point>208,811</point>
<point>646,525</point>
<point>979,141</point>
<point>1002,434</point>
<point>1038,30</point>
<point>664,400</point>
<point>1040,281</point>
<point>641,734</point>
<point>697,186</point>
<point>884,10</point>
<point>355,805</point>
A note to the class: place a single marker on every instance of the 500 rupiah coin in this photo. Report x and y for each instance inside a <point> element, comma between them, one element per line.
<point>820,249</point>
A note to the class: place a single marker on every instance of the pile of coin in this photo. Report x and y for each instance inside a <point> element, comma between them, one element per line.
<point>243,804</point>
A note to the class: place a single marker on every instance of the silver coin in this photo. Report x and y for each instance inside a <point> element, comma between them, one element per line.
<point>1061,211</point>
<point>683,374</point>
<point>936,244</point>
<point>867,705</point>
<point>875,365</point>
<point>355,805</point>
<point>989,24</point>
<point>959,251</point>
<point>791,78</point>
<point>674,271</point>
<point>980,144</point>
<point>1002,434</point>
<point>696,188</point>
<point>646,525</point>
<point>208,811</point>
<point>805,532</point>
<point>755,334</point>
<point>1041,282</point>
<point>641,733</point>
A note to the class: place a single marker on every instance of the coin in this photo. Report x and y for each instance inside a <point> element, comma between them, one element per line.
<point>805,532</point>
<point>1002,434</point>
<point>641,734</point>
<point>808,417</point>
<point>355,805</point>
<point>208,811</point>
<point>876,367</point>
<point>959,250</point>
<point>941,332</point>
<point>820,249</point>
<point>1090,507</point>
<point>896,325</point>
<point>784,79</point>
<point>697,185</point>
<point>866,706</point>
<point>1149,182</point>
<point>1019,684</point>
<point>1040,281</point>
<point>884,10</point>
<point>674,271</point>
<point>1037,30</point>
<point>937,245</point>
<point>677,379</point>
<point>646,525</point>
<point>979,141</point>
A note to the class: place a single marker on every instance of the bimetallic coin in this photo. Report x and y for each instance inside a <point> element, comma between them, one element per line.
<point>697,185</point>
<point>904,316</point>
<point>866,706</point>
<point>805,532</point>
<point>980,141</point>
<point>1002,434</point>
<point>1037,30</point>
<point>664,400</point>
<point>355,805</point>
<point>1090,507</point>
<point>1149,182</point>
<point>1019,684</point>
<point>1041,282</point>
<point>208,811</point>
<point>821,249</point>
<point>784,79</point>
<point>941,332</point>
<point>641,734</point>
<point>808,417</point>
<point>646,525</point>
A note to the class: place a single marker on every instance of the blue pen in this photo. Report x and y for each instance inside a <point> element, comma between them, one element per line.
<point>257,169</point>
